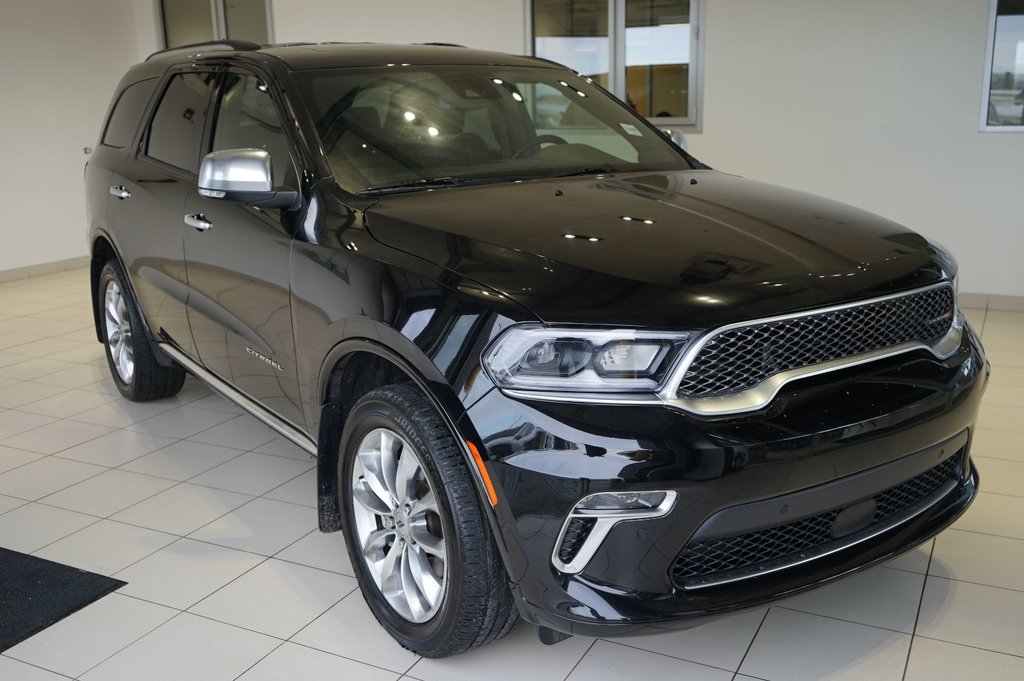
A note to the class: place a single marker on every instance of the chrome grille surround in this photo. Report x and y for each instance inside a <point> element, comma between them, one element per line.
<point>735,359</point>
<point>903,337</point>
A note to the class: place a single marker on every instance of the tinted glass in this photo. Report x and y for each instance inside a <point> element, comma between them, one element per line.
<point>248,119</point>
<point>574,33</point>
<point>382,127</point>
<point>187,22</point>
<point>124,119</point>
<point>246,20</point>
<point>176,132</point>
<point>658,57</point>
<point>1006,91</point>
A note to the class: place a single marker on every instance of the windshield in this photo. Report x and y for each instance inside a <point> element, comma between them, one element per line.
<point>406,126</point>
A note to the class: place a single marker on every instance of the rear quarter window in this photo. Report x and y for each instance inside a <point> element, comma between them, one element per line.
<point>126,114</point>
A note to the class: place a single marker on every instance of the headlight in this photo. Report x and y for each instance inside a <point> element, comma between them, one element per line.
<point>582,360</point>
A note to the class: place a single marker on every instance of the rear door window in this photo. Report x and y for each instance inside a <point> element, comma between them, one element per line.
<point>124,119</point>
<point>176,131</point>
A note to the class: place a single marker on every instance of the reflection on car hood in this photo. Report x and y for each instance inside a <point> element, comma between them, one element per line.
<point>693,248</point>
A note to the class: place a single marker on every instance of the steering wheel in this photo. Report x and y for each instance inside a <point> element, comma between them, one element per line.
<point>536,142</point>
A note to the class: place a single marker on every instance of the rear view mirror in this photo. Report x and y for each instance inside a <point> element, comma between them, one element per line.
<point>244,176</point>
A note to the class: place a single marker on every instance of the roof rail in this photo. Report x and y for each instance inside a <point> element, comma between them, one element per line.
<point>209,46</point>
<point>441,44</point>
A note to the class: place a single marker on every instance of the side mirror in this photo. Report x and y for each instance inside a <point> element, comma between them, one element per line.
<point>243,176</point>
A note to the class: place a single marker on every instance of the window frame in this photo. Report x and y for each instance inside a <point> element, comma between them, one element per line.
<point>138,119</point>
<point>986,86</point>
<point>617,60</point>
<point>223,70</point>
<point>218,21</point>
<point>154,106</point>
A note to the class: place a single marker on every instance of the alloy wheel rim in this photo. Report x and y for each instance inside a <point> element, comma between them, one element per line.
<point>119,331</point>
<point>398,525</point>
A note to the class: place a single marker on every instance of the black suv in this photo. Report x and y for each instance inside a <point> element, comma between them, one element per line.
<point>551,366</point>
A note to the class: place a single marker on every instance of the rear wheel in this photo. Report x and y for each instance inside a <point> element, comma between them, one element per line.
<point>416,532</point>
<point>133,366</point>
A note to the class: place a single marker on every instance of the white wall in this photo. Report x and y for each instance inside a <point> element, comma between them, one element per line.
<point>875,103</point>
<point>488,24</point>
<point>59,63</point>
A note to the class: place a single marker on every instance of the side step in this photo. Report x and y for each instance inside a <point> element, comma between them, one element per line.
<point>241,399</point>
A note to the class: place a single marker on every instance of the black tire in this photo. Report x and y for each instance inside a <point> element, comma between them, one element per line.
<point>148,379</point>
<point>477,605</point>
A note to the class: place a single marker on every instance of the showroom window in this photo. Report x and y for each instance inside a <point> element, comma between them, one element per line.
<point>195,21</point>
<point>1003,107</point>
<point>643,51</point>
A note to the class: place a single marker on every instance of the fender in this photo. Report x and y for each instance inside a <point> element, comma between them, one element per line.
<point>428,379</point>
<point>94,272</point>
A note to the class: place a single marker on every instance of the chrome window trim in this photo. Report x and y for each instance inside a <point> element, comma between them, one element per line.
<point>760,395</point>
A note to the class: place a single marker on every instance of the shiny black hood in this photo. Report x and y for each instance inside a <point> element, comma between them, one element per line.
<point>675,249</point>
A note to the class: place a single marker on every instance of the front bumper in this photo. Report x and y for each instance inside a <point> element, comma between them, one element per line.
<point>822,444</point>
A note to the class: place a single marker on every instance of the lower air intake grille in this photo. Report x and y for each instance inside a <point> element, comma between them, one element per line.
<point>714,558</point>
<point>575,534</point>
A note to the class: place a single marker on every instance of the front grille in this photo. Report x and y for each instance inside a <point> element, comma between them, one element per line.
<point>714,558</point>
<point>575,534</point>
<point>742,357</point>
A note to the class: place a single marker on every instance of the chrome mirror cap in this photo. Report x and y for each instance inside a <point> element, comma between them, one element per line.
<point>235,170</point>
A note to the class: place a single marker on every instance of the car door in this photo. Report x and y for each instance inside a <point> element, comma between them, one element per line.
<point>239,305</point>
<point>148,196</point>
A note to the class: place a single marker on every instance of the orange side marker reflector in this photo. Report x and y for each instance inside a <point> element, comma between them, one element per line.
<point>491,494</point>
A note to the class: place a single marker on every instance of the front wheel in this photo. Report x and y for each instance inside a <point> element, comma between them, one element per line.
<point>416,532</point>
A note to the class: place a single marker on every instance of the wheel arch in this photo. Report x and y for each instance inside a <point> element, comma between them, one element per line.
<point>342,381</point>
<point>102,252</point>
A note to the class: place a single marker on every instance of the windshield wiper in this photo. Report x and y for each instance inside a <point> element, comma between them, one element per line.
<point>594,170</point>
<point>422,183</point>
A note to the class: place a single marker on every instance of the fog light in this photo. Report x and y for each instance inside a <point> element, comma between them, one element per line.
<point>622,501</point>
<point>604,510</point>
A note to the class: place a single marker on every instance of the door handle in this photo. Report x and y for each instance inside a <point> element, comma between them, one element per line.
<point>121,192</point>
<point>199,221</point>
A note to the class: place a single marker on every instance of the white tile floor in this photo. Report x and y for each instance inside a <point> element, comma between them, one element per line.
<point>210,519</point>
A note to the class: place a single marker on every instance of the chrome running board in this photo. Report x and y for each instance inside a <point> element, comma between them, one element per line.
<point>241,399</point>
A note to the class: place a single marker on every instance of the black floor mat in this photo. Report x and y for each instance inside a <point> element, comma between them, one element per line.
<point>35,593</point>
